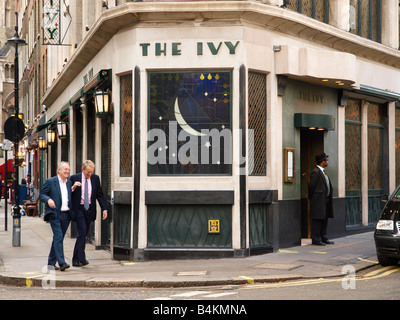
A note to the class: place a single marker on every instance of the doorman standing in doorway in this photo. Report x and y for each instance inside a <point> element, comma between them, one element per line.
<point>320,195</point>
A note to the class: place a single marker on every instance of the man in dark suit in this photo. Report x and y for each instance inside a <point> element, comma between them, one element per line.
<point>56,194</point>
<point>320,195</point>
<point>86,189</point>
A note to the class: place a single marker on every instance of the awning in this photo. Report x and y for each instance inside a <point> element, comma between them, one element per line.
<point>40,127</point>
<point>317,121</point>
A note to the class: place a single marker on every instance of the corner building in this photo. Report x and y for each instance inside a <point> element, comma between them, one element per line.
<point>218,111</point>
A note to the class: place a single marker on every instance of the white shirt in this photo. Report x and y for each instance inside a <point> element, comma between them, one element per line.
<point>64,195</point>
<point>326,178</point>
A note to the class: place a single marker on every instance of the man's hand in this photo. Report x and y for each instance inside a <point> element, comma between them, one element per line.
<point>76,184</point>
<point>51,203</point>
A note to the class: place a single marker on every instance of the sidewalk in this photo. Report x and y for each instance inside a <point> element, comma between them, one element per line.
<point>23,266</point>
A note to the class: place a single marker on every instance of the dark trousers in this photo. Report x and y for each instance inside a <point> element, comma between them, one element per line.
<point>59,224</point>
<point>318,230</point>
<point>83,225</point>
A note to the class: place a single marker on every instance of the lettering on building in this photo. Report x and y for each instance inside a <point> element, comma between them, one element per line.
<point>176,48</point>
<point>311,96</point>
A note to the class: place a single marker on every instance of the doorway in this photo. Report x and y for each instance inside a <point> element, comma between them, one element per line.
<point>311,143</point>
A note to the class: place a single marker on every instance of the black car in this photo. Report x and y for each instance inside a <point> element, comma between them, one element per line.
<point>387,232</point>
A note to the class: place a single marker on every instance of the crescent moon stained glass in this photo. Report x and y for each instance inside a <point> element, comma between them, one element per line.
<point>186,108</point>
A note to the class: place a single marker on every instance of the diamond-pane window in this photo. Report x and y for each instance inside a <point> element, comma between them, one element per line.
<point>126,126</point>
<point>257,122</point>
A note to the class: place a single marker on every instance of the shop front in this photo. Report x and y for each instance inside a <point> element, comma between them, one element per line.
<point>209,140</point>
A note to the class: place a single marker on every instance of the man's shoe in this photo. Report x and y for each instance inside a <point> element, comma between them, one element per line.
<point>328,241</point>
<point>318,243</point>
<point>84,263</point>
<point>64,266</point>
<point>77,264</point>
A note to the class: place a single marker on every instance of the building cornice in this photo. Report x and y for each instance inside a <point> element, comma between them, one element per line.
<point>201,13</point>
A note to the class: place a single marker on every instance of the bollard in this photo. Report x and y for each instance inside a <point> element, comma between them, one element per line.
<point>16,239</point>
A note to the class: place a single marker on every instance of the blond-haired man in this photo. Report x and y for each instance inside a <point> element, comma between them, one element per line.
<point>86,188</point>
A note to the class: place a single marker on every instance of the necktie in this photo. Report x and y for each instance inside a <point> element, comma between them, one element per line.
<point>86,196</point>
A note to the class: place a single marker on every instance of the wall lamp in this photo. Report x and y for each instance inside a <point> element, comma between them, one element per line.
<point>42,143</point>
<point>62,129</point>
<point>103,105</point>
<point>51,137</point>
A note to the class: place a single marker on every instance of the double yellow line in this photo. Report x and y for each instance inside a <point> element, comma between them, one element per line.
<point>382,272</point>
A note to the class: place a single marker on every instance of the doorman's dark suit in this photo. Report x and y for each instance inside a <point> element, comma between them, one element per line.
<point>320,205</point>
<point>84,217</point>
<point>59,220</point>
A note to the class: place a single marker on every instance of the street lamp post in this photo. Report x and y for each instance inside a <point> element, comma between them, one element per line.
<point>16,41</point>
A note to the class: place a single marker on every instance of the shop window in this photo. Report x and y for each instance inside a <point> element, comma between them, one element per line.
<point>397,145</point>
<point>366,18</point>
<point>375,161</point>
<point>316,9</point>
<point>126,126</point>
<point>189,129</point>
<point>353,163</point>
<point>257,122</point>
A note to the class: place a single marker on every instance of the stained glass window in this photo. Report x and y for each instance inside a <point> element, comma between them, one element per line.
<point>189,123</point>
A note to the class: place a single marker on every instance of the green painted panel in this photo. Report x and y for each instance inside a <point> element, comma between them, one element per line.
<point>258,216</point>
<point>122,225</point>
<point>186,226</point>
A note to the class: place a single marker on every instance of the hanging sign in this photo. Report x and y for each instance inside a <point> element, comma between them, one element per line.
<point>51,22</point>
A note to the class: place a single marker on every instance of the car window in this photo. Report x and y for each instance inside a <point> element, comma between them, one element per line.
<point>397,194</point>
<point>392,208</point>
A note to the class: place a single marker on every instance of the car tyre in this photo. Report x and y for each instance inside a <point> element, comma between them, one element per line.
<point>387,261</point>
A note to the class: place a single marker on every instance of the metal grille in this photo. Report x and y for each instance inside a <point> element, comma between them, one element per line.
<point>397,146</point>
<point>292,4</point>
<point>306,8</point>
<point>257,122</point>
<point>317,9</point>
<point>126,126</point>
<point>365,18</point>
<point>375,153</point>
<point>320,11</point>
<point>353,163</point>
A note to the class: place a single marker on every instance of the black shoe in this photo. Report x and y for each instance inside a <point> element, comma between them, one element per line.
<point>84,263</point>
<point>64,266</point>
<point>77,264</point>
<point>318,243</point>
<point>328,241</point>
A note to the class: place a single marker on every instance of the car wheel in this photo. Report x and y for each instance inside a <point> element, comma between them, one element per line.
<point>387,261</point>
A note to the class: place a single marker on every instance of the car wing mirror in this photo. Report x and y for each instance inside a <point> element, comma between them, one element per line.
<point>385,198</point>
